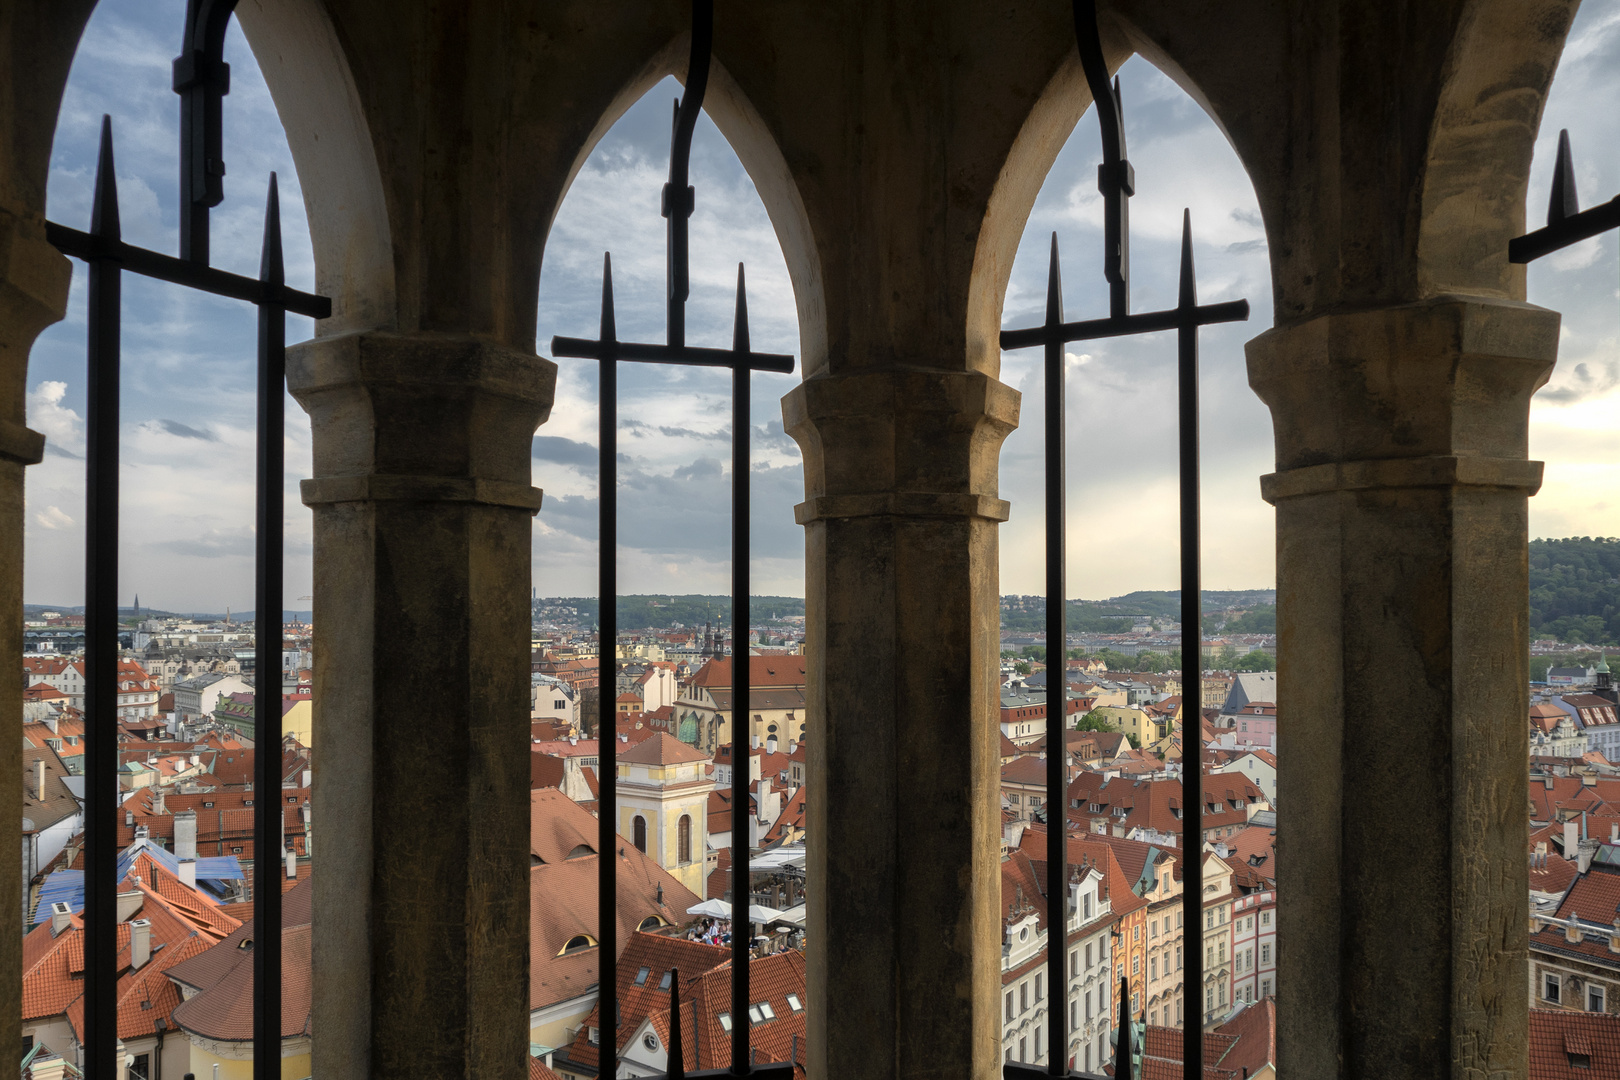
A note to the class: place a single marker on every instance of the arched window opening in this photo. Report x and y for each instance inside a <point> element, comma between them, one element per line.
<point>639,833</point>
<point>1573,559</point>
<point>650,923</point>
<point>1115,390</point>
<point>683,841</point>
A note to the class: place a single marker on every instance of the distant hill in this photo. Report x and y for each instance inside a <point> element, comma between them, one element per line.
<point>1114,615</point>
<point>665,611</point>
<point>1575,589</point>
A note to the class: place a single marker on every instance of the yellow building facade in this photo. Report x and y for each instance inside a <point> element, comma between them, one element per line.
<point>663,806</point>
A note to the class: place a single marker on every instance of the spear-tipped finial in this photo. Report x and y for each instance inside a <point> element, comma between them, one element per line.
<point>610,330</point>
<point>104,211</point>
<point>1563,202</point>
<point>739,330</point>
<point>1124,1048</point>
<point>272,269</point>
<point>677,1056</point>
<point>1054,288</point>
<point>1188,296</point>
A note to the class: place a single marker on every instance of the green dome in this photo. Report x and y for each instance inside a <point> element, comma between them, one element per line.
<point>1603,664</point>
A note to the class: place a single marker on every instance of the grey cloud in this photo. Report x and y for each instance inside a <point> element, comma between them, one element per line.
<point>56,451</point>
<point>702,469</point>
<point>175,427</point>
<point>563,451</point>
<point>211,546</point>
<point>1245,247</point>
<point>1582,383</point>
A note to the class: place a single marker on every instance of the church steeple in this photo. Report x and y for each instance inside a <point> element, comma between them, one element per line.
<point>1605,681</point>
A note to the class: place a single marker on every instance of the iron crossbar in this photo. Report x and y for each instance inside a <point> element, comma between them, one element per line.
<point>678,203</point>
<point>1567,223</point>
<point>1116,181</point>
<point>202,78</point>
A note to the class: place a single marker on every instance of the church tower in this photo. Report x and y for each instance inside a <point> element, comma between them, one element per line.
<point>1605,681</point>
<point>664,806</point>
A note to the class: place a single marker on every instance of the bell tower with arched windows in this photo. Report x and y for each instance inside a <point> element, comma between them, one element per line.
<point>664,805</point>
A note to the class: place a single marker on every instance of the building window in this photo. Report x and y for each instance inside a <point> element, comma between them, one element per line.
<point>1594,999</point>
<point>141,1068</point>
<point>639,833</point>
<point>683,838</point>
<point>725,1021</point>
<point>1265,954</point>
<point>641,976</point>
<point>1074,1014</point>
<point>1038,995</point>
<point>794,1003</point>
<point>1136,965</point>
<point>1009,1005</point>
<point>1088,1004</point>
<point>1023,1000</point>
<point>1023,1054</point>
<point>1153,968</point>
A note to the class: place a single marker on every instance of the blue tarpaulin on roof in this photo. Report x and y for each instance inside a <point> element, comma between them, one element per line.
<point>67,886</point>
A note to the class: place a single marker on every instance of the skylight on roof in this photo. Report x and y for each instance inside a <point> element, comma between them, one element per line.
<point>641,976</point>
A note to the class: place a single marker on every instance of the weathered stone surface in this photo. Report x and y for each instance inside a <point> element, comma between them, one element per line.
<point>422,541</point>
<point>1402,583</point>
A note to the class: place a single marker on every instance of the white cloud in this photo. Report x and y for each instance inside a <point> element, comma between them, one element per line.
<point>53,518</point>
<point>48,416</point>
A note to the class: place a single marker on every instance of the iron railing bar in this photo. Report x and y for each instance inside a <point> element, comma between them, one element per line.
<point>202,79</point>
<point>1140,323</point>
<point>101,624</point>
<point>741,714</point>
<point>607,771</point>
<point>207,279</point>
<point>1057,739</point>
<point>679,199</point>
<point>1571,230</point>
<point>268,812</point>
<point>1115,180</point>
<point>686,356</point>
<point>1192,757</point>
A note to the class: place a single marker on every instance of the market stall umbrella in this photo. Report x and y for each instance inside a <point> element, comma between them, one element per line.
<point>714,909</point>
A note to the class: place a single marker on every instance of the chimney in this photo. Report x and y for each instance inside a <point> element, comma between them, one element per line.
<point>1572,931</point>
<point>292,865</point>
<point>188,873</point>
<point>1570,835</point>
<point>39,779</point>
<point>159,801</point>
<point>1588,779</point>
<point>309,778</point>
<point>185,834</point>
<point>1585,850</point>
<point>51,722</point>
<point>129,903</point>
<point>140,943</point>
<point>770,745</point>
<point>61,916</point>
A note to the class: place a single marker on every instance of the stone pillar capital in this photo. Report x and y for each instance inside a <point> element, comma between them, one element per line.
<point>34,281</point>
<point>1432,394</point>
<point>912,442</point>
<point>434,417</point>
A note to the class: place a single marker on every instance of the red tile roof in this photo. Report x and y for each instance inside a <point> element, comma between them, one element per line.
<point>562,897</point>
<point>1573,1045</point>
<point>657,955</point>
<point>661,749</point>
<point>763,672</point>
<point>221,1009</point>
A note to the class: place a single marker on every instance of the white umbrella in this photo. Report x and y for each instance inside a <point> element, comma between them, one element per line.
<point>758,913</point>
<point>714,909</point>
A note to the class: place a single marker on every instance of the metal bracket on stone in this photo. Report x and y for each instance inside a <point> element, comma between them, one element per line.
<point>1116,180</point>
<point>676,205</point>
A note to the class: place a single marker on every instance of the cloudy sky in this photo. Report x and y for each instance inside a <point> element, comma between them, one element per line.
<point>188,407</point>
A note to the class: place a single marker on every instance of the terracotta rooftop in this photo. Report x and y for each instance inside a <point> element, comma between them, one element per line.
<point>661,749</point>
<point>1573,1045</point>
<point>221,1008</point>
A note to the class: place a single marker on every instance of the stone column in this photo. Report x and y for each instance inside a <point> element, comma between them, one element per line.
<point>1402,581</point>
<point>902,613</point>
<point>34,279</point>
<point>422,504</point>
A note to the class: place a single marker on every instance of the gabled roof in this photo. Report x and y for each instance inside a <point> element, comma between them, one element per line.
<point>1026,769</point>
<point>562,897</point>
<point>222,1008</point>
<point>661,749</point>
<point>705,1042</point>
<point>58,803</point>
